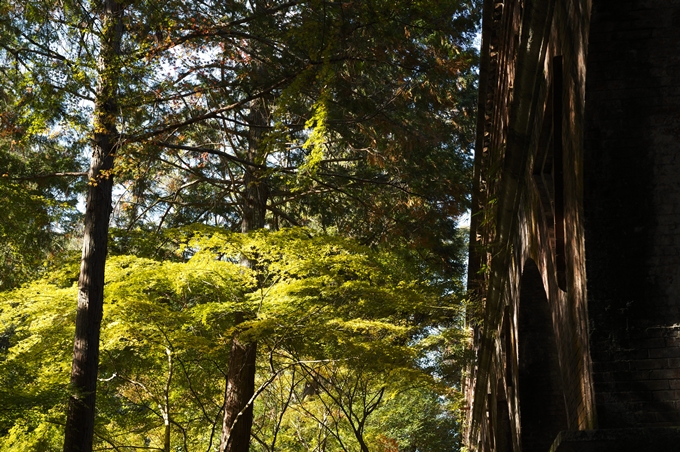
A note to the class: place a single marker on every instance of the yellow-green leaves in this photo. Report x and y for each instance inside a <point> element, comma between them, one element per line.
<point>323,309</point>
<point>317,138</point>
<point>318,124</point>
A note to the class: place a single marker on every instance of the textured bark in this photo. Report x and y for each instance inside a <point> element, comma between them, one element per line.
<point>81,407</point>
<point>238,418</point>
<point>238,408</point>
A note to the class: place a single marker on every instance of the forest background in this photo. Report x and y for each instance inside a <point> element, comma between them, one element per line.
<point>268,256</point>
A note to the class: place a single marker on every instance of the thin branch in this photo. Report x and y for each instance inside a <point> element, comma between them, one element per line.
<point>371,181</point>
<point>226,26</point>
<point>193,391</point>
<point>209,115</point>
<point>283,215</point>
<point>46,176</point>
<point>209,151</point>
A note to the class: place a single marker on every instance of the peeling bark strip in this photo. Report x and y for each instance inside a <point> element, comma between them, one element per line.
<point>81,408</point>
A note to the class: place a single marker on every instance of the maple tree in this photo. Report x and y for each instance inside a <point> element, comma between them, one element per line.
<point>330,316</point>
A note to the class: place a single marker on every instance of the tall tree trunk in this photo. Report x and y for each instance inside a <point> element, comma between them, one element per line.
<point>81,407</point>
<point>238,417</point>
<point>238,411</point>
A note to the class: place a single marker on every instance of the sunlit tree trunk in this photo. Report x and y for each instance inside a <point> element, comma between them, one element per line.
<point>81,407</point>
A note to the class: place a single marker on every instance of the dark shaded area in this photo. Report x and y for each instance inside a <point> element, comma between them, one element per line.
<point>542,410</point>
<point>619,440</point>
<point>631,212</point>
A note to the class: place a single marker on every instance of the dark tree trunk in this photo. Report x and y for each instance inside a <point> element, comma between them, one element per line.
<point>81,407</point>
<point>238,418</point>
<point>238,411</point>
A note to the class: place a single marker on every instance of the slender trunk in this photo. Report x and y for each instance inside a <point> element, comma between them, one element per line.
<point>81,407</point>
<point>165,410</point>
<point>238,415</point>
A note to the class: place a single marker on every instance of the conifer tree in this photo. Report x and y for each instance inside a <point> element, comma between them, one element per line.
<point>359,144</point>
<point>105,142</point>
<point>352,117</point>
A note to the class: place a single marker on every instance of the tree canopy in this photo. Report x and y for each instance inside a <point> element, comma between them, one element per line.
<point>268,194</point>
<point>343,329</point>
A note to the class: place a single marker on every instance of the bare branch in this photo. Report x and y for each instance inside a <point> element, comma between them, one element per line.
<point>47,176</point>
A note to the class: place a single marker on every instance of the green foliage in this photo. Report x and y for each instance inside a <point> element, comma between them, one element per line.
<point>36,327</point>
<point>39,433</point>
<point>354,119</point>
<point>36,144</point>
<point>366,119</point>
<point>24,231</point>
<point>418,419</point>
<point>326,311</point>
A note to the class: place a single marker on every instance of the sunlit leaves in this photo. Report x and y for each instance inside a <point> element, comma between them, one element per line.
<point>365,132</point>
<point>323,308</point>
